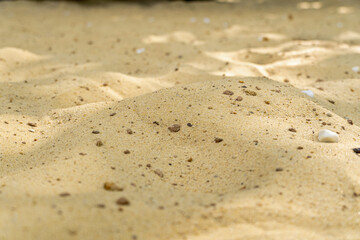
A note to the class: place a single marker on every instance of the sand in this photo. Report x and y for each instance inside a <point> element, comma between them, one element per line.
<point>191,114</point>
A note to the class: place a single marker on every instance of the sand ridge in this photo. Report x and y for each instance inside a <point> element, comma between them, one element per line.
<point>80,111</point>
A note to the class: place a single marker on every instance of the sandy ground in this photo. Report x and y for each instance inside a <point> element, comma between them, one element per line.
<point>88,94</point>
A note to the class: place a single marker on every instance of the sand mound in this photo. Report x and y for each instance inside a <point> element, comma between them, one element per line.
<point>233,166</point>
<point>179,120</point>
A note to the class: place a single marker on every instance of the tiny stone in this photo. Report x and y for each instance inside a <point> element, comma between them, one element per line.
<point>350,122</point>
<point>331,101</point>
<point>308,92</point>
<point>300,148</point>
<point>329,114</point>
<point>99,143</point>
<point>32,124</point>
<point>267,102</point>
<point>174,128</point>
<point>64,194</point>
<point>217,139</point>
<point>95,132</point>
<point>190,159</point>
<point>113,114</point>
<point>189,125</point>
<point>292,129</point>
<point>122,201</point>
<point>228,92</point>
<point>279,169</point>
<point>159,173</point>
<point>126,151</point>
<point>129,131</point>
<point>239,98</point>
<point>328,136</point>
<point>251,93</point>
<point>356,150</point>
<point>110,186</point>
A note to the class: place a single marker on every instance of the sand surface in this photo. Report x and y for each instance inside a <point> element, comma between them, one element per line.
<point>88,94</point>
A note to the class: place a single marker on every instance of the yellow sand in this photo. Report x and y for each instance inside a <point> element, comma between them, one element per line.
<point>67,68</point>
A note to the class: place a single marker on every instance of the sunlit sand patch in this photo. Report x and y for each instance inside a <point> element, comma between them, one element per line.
<point>178,36</point>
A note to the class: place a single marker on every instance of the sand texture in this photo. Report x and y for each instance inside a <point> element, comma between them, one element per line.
<point>179,121</point>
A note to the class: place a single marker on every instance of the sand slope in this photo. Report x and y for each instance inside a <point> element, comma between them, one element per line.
<point>79,110</point>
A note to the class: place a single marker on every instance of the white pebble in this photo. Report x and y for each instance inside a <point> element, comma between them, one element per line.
<point>308,92</point>
<point>31,130</point>
<point>356,69</point>
<point>193,19</point>
<point>328,136</point>
<point>140,50</point>
<point>206,20</point>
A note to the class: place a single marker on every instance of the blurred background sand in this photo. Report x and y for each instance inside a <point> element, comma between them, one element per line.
<point>89,92</point>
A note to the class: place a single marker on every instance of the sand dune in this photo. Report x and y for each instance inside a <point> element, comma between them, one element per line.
<point>177,121</point>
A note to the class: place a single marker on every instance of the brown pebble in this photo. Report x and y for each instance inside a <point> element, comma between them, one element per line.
<point>159,173</point>
<point>228,92</point>
<point>110,186</point>
<point>350,122</point>
<point>279,169</point>
<point>99,143</point>
<point>292,129</point>
<point>100,205</point>
<point>190,160</point>
<point>217,139</point>
<point>331,101</point>
<point>127,152</point>
<point>64,194</point>
<point>239,98</point>
<point>129,131</point>
<point>95,132</point>
<point>113,114</point>
<point>174,128</point>
<point>300,148</point>
<point>356,150</point>
<point>251,93</point>
<point>122,201</point>
<point>32,124</point>
<point>267,102</point>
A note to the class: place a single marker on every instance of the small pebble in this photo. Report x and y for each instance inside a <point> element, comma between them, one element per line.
<point>251,93</point>
<point>159,173</point>
<point>127,152</point>
<point>356,150</point>
<point>140,50</point>
<point>228,92</point>
<point>217,139</point>
<point>110,186</point>
<point>308,92</point>
<point>32,124</point>
<point>292,129</point>
<point>99,143</point>
<point>239,98</point>
<point>206,20</point>
<point>328,136</point>
<point>356,69</point>
<point>122,201</point>
<point>95,132</point>
<point>174,128</point>
<point>64,194</point>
